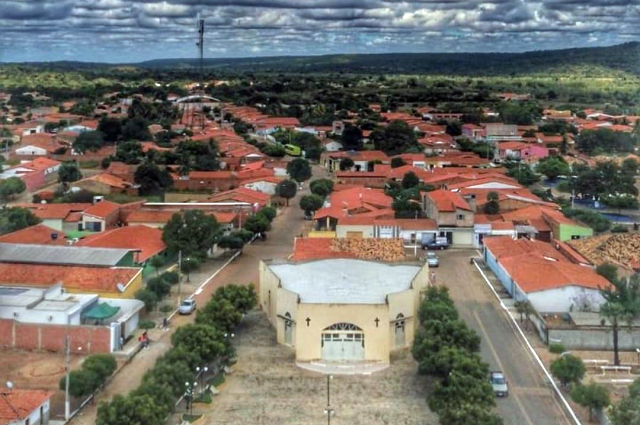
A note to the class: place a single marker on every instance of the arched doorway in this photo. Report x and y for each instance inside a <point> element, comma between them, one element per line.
<point>342,342</point>
<point>399,330</point>
<point>288,329</point>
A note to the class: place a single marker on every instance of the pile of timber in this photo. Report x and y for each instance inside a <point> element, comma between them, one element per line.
<point>388,250</point>
<point>622,249</point>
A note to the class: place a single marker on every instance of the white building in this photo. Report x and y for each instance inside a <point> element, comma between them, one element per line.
<point>24,407</point>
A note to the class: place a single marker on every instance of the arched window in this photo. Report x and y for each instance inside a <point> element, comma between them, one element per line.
<point>399,331</point>
<point>343,327</point>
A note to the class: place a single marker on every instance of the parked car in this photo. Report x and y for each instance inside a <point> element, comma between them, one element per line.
<point>432,259</point>
<point>499,384</point>
<point>436,244</point>
<point>187,307</point>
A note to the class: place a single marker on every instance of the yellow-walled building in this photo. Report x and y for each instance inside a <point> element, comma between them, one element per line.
<point>343,310</point>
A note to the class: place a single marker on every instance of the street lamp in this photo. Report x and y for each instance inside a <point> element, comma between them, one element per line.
<point>328,410</point>
<point>200,372</point>
<point>188,395</point>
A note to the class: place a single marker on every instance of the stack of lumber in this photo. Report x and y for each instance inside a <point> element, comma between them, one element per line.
<point>388,250</point>
<point>622,249</point>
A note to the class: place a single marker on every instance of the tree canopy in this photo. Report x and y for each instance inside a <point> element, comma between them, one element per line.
<point>192,232</point>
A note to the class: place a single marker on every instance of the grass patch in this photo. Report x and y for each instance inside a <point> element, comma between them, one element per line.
<point>204,397</point>
<point>190,418</point>
<point>89,164</point>
<point>216,381</point>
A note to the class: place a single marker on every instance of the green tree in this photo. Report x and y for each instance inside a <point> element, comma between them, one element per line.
<point>103,365</point>
<point>410,180</point>
<point>219,313</point>
<point>346,164</point>
<point>111,128</point>
<point>193,232</point>
<point>622,305</point>
<point>152,179</point>
<point>189,265</point>
<point>397,162</point>
<point>553,166</point>
<point>148,297</point>
<point>321,187</point>
<point>608,271</point>
<point>171,277</point>
<point>492,206</point>
<point>569,369</point>
<point>159,286</point>
<point>396,138</point>
<point>11,187</point>
<point>257,224</point>
<point>157,262</point>
<point>88,141</point>
<point>286,189</point>
<point>592,396</point>
<point>351,138</point>
<point>299,170</point>
<point>230,242</point>
<point>136,128</point>
<point>139,410</point>
<point>242,297</point>
<point>82,383</point>
<point>129,152</point>
<point>68,173</point>
<point>311,203</point>
<point>522,173</point>
<point>268,212</point>
<point>204,340</point>
<point>12,219</point>
<point>198,156</point>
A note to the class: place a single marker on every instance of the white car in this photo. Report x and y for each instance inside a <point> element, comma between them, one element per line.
<point>499,384</point>
<point>432,259</point>
<point>187,307</point>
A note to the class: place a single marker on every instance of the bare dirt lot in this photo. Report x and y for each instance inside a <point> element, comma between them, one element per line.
<point>267,388</point>
<point>29,370</point>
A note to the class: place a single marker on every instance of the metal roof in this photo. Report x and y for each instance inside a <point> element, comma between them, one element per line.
<point>61,255</point>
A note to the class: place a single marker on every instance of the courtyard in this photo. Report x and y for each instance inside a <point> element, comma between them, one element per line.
<point>267,388</point>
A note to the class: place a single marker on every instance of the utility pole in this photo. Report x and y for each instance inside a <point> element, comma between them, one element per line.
<point>179,277</point>
<point>67,366</point>
<point>328,410</point>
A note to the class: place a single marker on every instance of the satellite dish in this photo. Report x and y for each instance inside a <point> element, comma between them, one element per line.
<point>10,385</point>
<point>120,287</point>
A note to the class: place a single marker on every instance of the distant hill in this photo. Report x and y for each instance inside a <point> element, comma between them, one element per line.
<point>623,57</point>
<point>594,61</point>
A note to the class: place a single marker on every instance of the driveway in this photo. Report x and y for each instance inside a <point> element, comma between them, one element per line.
<point>531,401</point>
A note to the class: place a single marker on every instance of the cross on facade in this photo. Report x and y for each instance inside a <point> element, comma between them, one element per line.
<point>377,321</point>
<point>308,321</point>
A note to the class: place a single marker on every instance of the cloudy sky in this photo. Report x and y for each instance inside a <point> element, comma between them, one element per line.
<point>136,30</point>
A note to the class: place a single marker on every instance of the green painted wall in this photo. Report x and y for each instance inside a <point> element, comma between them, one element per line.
<point>567,231</point>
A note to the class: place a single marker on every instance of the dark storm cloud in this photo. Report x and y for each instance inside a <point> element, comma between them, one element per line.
<point>130,30</point>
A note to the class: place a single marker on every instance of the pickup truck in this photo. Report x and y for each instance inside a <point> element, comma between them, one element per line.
<point>499,384</point>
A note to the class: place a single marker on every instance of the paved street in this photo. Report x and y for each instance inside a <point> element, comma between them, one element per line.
<point>530,402</point>
<point>243,270</point>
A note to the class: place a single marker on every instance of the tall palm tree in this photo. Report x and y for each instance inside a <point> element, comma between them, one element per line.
<point>622,305</point>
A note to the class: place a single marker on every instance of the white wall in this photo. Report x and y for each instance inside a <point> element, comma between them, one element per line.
<point>341,230</point>
<point>561,300</point>
<point>261,186</point>
<point>34,417</point>
<point>31,150</point>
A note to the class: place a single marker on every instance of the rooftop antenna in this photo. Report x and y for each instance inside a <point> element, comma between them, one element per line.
<point>200,44</point>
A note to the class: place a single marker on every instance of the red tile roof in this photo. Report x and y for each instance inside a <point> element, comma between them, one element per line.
<point>102,209</point>
<point>149,216</point>
<point>17,405</point>
<point>54,211</point>
<point>85,279</point>
<point>446,201</point>
<point>147,240</point>
<point>35,235</point>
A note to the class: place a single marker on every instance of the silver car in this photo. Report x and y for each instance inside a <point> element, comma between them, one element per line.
<point>432,259</point>
<point>187,307</point>
<point>499,384</point>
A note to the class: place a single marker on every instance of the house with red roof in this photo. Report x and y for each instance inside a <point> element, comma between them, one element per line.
<point>473,132</point>
<point>24,407</point>
<point>35,174</point>
<point>457,159</point>
<point>145,242</point>
<point>105,184</point>
<point>452,214</point>
<point>101,216</point>
<point>39,144</point>
<point>411,231</point>
<point>35,235</point>
<point>61,217</point>
<point>537,272</point>
<point>241,194</point>
<point>362,160</point>
<point>356,201</point>
<point>519,150</point>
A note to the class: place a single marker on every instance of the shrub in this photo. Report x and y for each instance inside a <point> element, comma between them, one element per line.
<point>170,277</point>
<point>619,229</point>
<point>569,369</point>
<point>102,365</point>
<point>268,212</point>
<point>146,324</point>
<point>81,383</point>
<point>556,348</point>
<point>149,298</point>
<point>159,286</point>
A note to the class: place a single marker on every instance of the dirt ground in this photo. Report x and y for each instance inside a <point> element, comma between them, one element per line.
<point>267,388</point>
<point>29,370</point>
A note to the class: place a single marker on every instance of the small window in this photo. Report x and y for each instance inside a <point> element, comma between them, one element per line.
<point>460,217</point>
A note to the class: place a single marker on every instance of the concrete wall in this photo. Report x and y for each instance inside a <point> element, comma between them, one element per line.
<point>595,338</point>
<point>565,299</point>
<point>342,230</point>
<point>34,417</point>
<point>28,336</point>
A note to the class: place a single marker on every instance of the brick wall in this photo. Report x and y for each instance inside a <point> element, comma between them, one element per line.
<point>32,336</point>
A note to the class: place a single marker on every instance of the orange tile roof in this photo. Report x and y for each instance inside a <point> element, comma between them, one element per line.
<point>40,164</point>
<point>225,217</point>
<point>149,216</point>
<point>54,211</point>
<point>109,180</point>
<point>352,198</point>
<point>35,235</point>
<point>102,209</point>
<point>147,240</point>
<point>17,405</point>
<point>448,201</point>
<point>241,194</point>
<point>85,279</point>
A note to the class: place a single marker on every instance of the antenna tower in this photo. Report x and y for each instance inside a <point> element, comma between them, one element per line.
<point>194,110</point>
